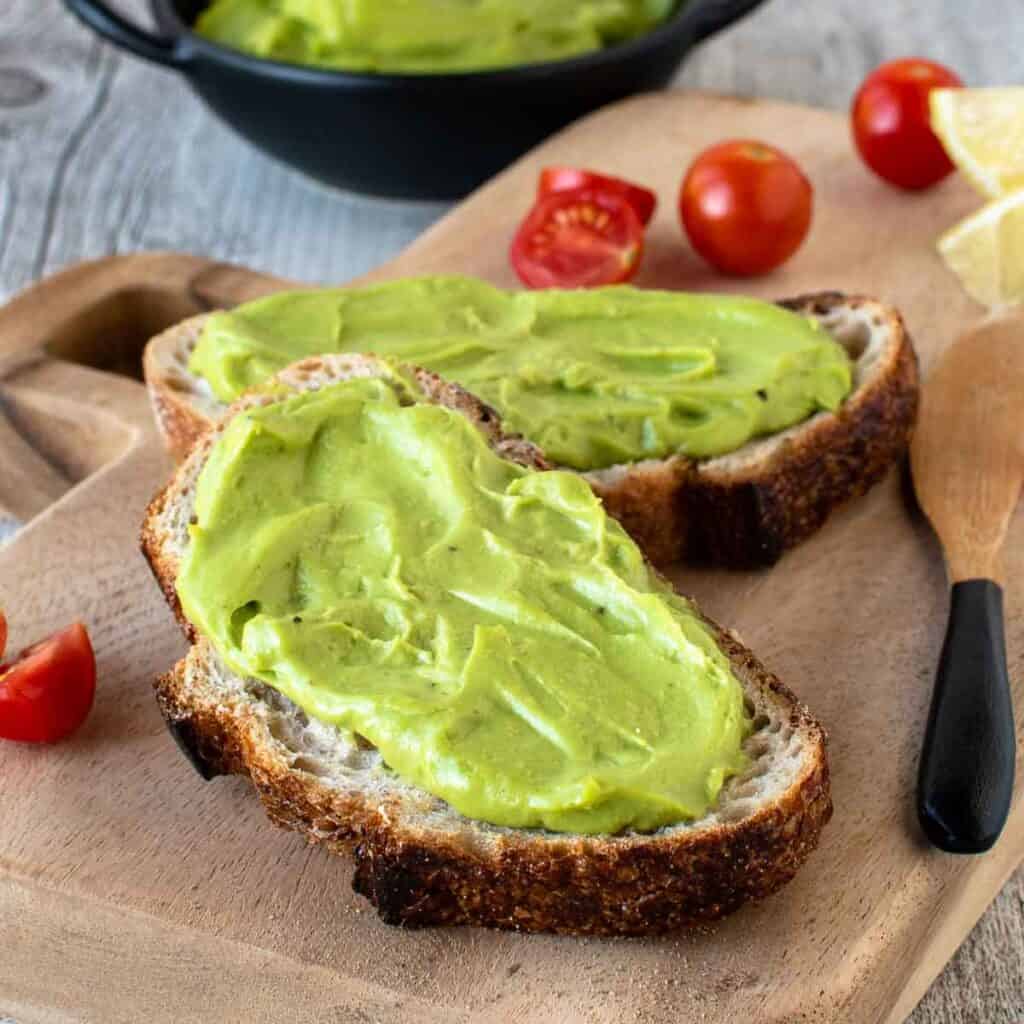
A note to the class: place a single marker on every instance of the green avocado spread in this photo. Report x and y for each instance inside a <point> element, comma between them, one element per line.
<point>488,628</point>
<point>593,377</point>
<point>426,36</point>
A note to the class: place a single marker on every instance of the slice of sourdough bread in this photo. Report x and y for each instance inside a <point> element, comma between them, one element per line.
<point>741,510</point>
<point>420,862</point>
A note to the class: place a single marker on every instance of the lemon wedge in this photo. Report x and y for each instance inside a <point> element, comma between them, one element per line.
<point>982,131</point>
<point>986,251</point>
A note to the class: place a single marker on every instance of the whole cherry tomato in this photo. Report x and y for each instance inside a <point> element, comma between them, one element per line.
<point>47,692</point>
<point>890,122</point>
<point>745,206</point>
<point>566,179</point>
<point>578,239</point>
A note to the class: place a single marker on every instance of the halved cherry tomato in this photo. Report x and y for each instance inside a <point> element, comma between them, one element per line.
<point>566,179</point>
<point>47,692</point>
<point>891,125</point>
<point>745,206</point>
<point>578,239</point>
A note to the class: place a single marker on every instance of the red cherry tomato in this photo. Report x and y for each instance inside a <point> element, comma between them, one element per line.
<point>745,206</point>
<point>47,692</point>
<point>891,126</point>
<point>578,239</point>
<point>566,179</point>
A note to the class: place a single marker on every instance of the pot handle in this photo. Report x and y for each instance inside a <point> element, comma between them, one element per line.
<point>111,26</point>
<point>706,17</point>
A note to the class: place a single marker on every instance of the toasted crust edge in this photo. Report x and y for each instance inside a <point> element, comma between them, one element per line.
<point>526,881</point>
<point>180,422</point>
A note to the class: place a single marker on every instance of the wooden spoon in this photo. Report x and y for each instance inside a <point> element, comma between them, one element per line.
<point>967,460</point>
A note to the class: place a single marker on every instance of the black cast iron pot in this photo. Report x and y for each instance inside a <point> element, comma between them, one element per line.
<point>410,135</point>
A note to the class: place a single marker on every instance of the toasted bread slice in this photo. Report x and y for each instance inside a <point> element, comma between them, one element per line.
<point>741,510</point>
<point>419,861</point>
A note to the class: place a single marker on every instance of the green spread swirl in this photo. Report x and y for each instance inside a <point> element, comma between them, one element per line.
<point>593,377</point>
<point>489,629</point>
<point>426,36</point>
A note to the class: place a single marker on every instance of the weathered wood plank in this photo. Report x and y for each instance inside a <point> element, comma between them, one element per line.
<point>100,154</point>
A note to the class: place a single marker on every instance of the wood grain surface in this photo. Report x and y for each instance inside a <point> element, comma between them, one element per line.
<point>967,456</point>
<point>101,154</point>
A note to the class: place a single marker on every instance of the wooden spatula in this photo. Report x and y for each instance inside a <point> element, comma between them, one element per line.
<point>967,460</point>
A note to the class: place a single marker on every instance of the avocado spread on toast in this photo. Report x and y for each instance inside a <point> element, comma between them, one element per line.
<point>488,628</point>
<point>426,36</point>
<point>593,377</point>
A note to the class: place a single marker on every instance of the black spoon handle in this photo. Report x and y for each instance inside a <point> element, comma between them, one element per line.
<point>965,782</point>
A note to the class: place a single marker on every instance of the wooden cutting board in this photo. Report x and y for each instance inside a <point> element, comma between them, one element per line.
<point>130,890</point>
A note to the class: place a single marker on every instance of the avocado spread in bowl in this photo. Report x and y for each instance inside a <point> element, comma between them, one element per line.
<point>426,36</point>
<point>488,628</point>
<point>594,378</point>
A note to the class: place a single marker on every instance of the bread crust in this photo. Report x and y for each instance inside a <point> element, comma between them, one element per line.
<point>417,873</point>
<point>678,509</point>
<point>526,880</point>
<point>179,418</point>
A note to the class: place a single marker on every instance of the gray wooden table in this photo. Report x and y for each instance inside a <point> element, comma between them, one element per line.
<point>101,154</point>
